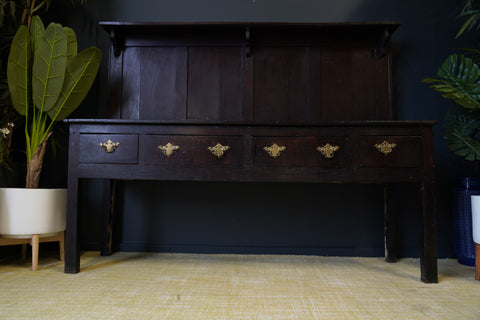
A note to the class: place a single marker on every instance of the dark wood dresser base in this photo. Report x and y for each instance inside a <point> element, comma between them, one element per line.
<point>354,151</point>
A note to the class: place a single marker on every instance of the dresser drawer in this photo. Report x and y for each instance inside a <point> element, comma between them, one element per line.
<point>390,151</point>
<point>301,151</point>
<point>108,148</point>
<point>179,150</point>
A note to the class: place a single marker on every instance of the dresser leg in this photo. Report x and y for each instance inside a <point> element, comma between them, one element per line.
<point>108,216</point>
<point>72,246</point>
<point>428,234</point>
<point>390,225</point>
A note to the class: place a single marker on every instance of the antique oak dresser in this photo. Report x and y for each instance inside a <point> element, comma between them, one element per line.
<point>252,102</point>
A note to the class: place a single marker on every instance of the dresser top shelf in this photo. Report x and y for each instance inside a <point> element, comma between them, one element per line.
<point>131,25</point>
<point>367,123</point>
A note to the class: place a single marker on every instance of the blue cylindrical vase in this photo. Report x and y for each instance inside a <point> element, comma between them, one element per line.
<point>462,216</point>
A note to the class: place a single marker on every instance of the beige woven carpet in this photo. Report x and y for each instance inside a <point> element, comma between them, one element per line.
<point>194,286</point>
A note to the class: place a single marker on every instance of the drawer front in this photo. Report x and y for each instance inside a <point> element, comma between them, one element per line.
<point>301,152</point>
<point>115,148</point>
<point>406,151</point>
<point>193,150</point>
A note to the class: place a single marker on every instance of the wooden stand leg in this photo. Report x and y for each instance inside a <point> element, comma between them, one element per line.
<point>477,261</point>
<point>35,245</point>
<point>61,243</point>
<point>24,251</point>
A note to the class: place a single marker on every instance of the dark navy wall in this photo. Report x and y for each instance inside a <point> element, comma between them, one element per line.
<point>329,219</point>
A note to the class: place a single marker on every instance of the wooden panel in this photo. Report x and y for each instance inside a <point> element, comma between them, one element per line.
<point>384,89</point>
<point>163,79</point>
<point>336,84</point>
<point>91,152</point>
<point>348,84</point>
<point>281,84</point>
<point>215,83</point>
<point>247,86</point>
<point>193,151</point>
<point>406,153</point>
<point>315,84</point>
<point>364,86</point>
<point>115,70</point>
<point>131,84</point>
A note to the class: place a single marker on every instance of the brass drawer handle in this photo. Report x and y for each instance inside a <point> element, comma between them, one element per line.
<point>218,149</point>
<point>168,149</point>
<point>109,146</point>
<point>274,150</point>
<point>328,150</point>
<point>385,147</point>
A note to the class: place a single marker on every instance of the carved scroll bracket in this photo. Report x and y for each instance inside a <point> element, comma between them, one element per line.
<point>383,43</point>
<point>118,42</point>
<point>248,50</point>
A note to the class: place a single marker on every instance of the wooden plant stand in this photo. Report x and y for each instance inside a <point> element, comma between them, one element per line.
<point>34,242</point>
<point>477,261</point>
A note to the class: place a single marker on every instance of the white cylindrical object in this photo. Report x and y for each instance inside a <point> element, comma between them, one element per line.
<point>32,211</point>
<point>476,218</point>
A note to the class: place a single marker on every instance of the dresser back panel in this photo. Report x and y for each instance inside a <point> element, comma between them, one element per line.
<point>251,73</point>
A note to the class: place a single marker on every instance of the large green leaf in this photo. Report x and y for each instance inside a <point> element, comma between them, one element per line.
<point>462,134</point>
<point>71,43</point>
<point>459,81</point>
<point>81,73</point>
<point>19,68</point>
<point>36,31</point>
<point>49,64</point>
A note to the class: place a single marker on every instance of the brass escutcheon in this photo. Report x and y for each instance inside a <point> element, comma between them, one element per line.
<point>168,149</point>
<point>328,150</point>
<point>218,149</point>
<point>109,146</point>
<point>274,150</point>
<point>385,147</point>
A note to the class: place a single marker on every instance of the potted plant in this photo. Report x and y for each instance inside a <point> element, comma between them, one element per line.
<point>47,80</point>
<point>459,81</point>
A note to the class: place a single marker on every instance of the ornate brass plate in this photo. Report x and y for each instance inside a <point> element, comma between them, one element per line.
<point>109,146</point>
<point>385,147</point>
<point>168,149</point>
<point>328,150</point>
<point>274,150</point>
<point>218,149</point>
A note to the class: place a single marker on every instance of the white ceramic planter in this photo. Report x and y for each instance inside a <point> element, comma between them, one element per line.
<point>24,212</point>
<point>476,219</point>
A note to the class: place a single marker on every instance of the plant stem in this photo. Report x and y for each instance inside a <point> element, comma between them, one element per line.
<point>28,12</point>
